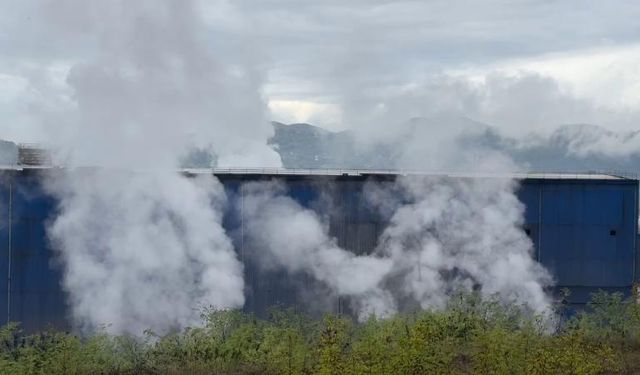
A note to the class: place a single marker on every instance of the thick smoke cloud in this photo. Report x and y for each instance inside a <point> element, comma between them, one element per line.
<point>149,86</point>
<point>453,233</point>
<point>294,238</point>
<point>143,250</point>
<point>461,234</point>
<point>141,246</point>
<point>155,72</point>
<point>444,236</point>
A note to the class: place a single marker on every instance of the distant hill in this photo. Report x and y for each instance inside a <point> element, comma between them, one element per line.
<point>570,148</point>
<point>308,146</point>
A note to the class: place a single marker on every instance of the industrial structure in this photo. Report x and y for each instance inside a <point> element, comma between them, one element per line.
<point>584,228</point>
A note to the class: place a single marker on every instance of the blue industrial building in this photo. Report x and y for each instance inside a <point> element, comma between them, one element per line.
<point>584,229</point>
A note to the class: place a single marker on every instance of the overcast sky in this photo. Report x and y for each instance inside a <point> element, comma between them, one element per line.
<point>519,65</point>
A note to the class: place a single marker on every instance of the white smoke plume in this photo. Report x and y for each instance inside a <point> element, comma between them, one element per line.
<point>144,250</point>
<point>141,246</point>
<point>292,237</point>
<point>462,234</point>
<point>445,235</point>
<point>450,233</point>
<point>153,87</point>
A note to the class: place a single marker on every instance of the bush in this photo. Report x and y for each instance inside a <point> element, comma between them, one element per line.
<point>471,336</point>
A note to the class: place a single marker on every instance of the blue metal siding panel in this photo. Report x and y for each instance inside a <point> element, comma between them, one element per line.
<point>577,244</point>
<point>5,227</point>
<point>562,204</point>
<point>304,192</point>
<point>36,294</point>
<point>529,195</point>
<point>603,206</point>
<point>569,223</point>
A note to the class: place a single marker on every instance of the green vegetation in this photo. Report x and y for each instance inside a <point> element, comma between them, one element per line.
<point>471,336</point>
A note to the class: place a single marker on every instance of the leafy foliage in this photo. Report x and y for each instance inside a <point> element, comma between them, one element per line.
<point>471,336</point>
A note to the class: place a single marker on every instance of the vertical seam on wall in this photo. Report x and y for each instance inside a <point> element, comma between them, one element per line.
<point>242,224</point>
<point>540,221</point>
<point>9,249</point>
<point>635,233</point>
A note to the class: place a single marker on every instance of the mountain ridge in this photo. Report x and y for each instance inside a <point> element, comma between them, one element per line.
<point>569,148</point>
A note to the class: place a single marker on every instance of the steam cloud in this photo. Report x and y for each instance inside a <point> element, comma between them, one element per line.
<point>444,234</point>
<point>144,250</point>
<point>461,234</point>
<point>143,247</point>
<point>453,234</point>
<point>295,239</point>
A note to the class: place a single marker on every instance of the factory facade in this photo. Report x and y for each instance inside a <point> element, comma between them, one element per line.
<point>584,229</point>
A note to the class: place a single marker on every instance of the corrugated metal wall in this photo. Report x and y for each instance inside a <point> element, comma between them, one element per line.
<point>30,290</point>
<point>584,231</point>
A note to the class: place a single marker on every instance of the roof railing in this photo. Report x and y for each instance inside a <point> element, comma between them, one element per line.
<point>33,154</point>
<point>607,174</point>
<point>359,172</point>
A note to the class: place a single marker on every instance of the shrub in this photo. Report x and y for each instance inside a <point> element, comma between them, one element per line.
<point>471,336</point>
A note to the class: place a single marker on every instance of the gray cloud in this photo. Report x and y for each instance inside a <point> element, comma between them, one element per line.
<point>427,121</point>
<point>305,47</point>
<point>398,41</point>
<point>380,62</point>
